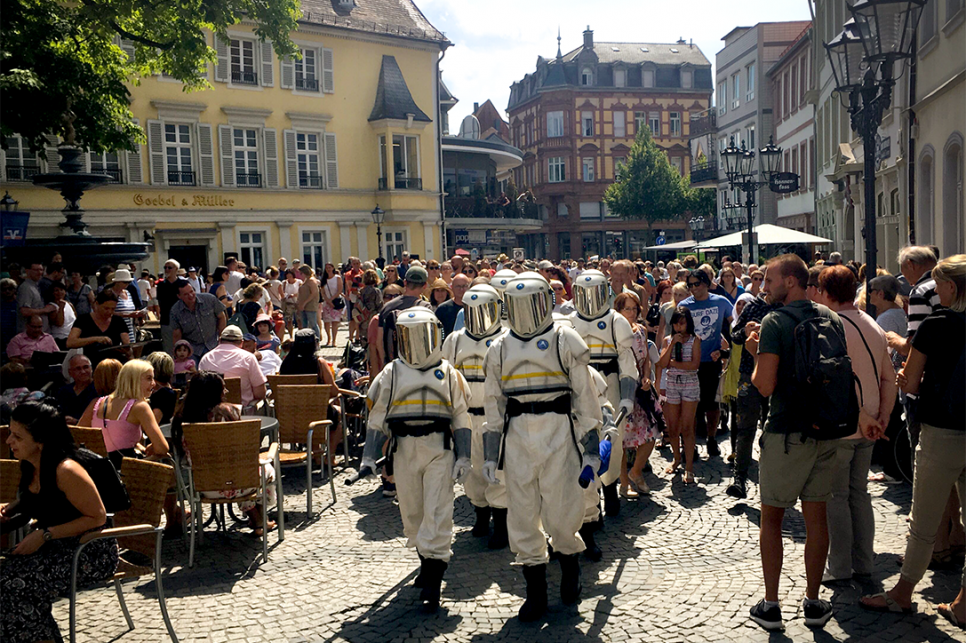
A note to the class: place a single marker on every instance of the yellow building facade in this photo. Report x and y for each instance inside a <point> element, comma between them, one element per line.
<point>279,158</point>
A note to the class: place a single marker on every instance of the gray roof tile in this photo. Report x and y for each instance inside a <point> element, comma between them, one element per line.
<point>393,17</point>
<point>393,99</point>
<point>631,53</point>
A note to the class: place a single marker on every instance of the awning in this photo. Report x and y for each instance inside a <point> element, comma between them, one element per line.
<point>680,245</point>
<point>462,253</point>
<point>767,235</point>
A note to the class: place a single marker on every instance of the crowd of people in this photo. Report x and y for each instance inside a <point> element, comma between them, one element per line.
<point>683,351</point>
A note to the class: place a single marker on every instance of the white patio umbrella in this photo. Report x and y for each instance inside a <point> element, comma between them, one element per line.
<point>768,234</point>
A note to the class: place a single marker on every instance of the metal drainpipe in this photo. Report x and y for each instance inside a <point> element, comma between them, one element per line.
<point>444,254</point>
<point>911,146</point>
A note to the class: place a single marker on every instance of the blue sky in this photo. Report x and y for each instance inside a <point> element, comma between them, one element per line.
<point>498,41</point>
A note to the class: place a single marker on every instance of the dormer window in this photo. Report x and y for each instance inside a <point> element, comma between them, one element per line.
<point>587,77</point>
<point>620,78</point>
<point>346,4</point>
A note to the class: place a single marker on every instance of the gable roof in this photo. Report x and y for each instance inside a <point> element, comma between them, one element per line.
<point>400,18</point>
<point>632,53</point>
<point>393,99</point>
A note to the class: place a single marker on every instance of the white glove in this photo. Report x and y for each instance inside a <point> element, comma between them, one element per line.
<point>611,433</point>
<point>626,404</point>
<point>591,461</point>
<point>461,468</point>
<point>489,472</point>
<point>368,462</point>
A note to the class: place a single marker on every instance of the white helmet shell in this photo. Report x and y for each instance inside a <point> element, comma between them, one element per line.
<point>502,278</point>
<point>419,337</point>
<point>529,304</point>
<point>591,294</point>
<point>482,306</point>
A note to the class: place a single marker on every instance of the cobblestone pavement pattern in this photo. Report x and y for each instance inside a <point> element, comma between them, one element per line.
<point>680,565</point>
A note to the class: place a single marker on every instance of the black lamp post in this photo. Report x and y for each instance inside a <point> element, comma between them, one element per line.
<point>378,217</point>
<point>862,56</point>
<point>8,203</point>
<point>697,227</point>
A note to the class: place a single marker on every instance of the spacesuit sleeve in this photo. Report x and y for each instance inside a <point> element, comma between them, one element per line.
<point>600,384</point>
<point>626,363</point>
<point>459,396</point>
<point>378,400</point>
<point>449,348</point>
<point>575,357</point>
<point>493,388</point>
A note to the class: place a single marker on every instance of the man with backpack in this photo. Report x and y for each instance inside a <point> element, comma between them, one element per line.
<point>802,364</point>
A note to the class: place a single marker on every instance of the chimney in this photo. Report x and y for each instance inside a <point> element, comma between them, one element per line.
<point>588,38</point>
<point>682,41</point>
<point>476,107</point>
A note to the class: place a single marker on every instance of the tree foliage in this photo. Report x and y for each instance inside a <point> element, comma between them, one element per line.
<point>63,72</point>
<point>647,187</point>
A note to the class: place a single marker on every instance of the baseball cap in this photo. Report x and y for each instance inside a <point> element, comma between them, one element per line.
<point>248,337</point>
<point>545,265</point>
<point>232,333</point>
<point>417,275</point>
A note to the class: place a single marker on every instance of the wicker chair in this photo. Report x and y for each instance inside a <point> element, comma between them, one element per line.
<point>225,457</point>
<point>9,480</point>
<point>4,447</point>
<point>275,381</point>
<point>137,531</point>
<point>233,386</point>
<point>90,438</point>
<point>300,410</point>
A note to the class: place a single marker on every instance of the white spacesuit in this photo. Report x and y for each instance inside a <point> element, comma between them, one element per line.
<point>419,401</point>
<point>592,492</point>
<point>542,405</point>
<point>610,339</point>
<point>499,282</point>
<point>465,349</point>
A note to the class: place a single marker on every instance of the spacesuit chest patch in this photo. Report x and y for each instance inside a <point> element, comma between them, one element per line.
<point>601,325</point>
<point>543,344</point>
<point>439,374</point>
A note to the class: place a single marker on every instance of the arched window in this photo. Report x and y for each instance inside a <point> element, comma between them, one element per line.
<point>952,217</point>
<point>587,76</point>
<point>924,203</point>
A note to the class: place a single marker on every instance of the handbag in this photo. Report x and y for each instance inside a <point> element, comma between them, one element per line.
<point>109,485</point>
<point>338,303</point>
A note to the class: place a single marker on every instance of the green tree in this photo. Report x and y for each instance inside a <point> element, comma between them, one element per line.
<point>647,187</point>
<point>63,72</point>
<point>701,202</point>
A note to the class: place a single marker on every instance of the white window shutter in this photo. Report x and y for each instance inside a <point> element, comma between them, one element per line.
<point>134,163</point>
<point>328,75</point>
<point>291,160</point>
<point>331,163</point>
<point>156,152</point>
<point>50,153</point>
<point>206,154</point>
<point>223,64</point>
<point>271,158</point>
<point>86,160</point>
<point>3,165</point>
<point>268,72</point>
<point>127,46</point>
<point>227,156</point>
<point>287,68</point>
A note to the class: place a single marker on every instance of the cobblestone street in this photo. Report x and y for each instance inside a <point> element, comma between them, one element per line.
<point>679,565</point>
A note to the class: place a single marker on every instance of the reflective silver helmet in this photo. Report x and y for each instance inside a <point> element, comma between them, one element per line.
<point>419,337</point>
<point>482,306</point>
<point>529,304</point>
<point>502,278</point>
<point>591,294</point>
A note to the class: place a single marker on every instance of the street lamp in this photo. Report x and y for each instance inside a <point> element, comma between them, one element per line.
<point>378,217</point>
<point>770,158</point>
<point>697,227</point>
<point>862,57</point>
<point>8,203</point>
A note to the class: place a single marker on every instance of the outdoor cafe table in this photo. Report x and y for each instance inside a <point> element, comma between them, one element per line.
<point>269,429</point>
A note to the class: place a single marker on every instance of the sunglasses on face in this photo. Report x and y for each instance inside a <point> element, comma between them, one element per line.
<point>756,278</point>
<point>694,284</point>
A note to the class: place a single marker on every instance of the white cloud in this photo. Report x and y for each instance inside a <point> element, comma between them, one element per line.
<point>498,41</point>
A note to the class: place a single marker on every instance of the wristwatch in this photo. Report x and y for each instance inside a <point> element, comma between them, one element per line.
<point>47,535</point>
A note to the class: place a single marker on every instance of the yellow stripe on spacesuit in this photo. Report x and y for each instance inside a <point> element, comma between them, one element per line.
<point>601,346</point>
<point>411,402</point>
<point>472,367</point>
<point>528,375</point>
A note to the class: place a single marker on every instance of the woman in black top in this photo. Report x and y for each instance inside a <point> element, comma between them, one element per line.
<point>935,371</point>
<point>164,398</point>
<point>99,329</point>
<point>57,492</point>
<point>303,359</point>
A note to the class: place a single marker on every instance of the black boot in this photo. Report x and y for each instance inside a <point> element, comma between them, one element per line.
<point>612,504</point>
<point>433,570</point>
<point>535,606</point>
<point>420,581</point>
<point>499,538</point>
<point>569,579</point>
<point>482,526</point>
<point>592,552</point>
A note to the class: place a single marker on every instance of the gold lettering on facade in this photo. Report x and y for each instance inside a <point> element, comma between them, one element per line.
<point>197,201</point>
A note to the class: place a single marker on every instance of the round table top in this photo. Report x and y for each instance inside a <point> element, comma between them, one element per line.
<point>268,425</point>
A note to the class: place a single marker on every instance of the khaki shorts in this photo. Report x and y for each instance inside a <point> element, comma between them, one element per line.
<point>805,472</point>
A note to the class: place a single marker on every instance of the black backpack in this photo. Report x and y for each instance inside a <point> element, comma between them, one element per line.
<point>653,317</point>
<point>823,371</point>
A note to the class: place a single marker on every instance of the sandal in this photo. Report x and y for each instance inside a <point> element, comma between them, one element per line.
<point>689,478</point>
<point>890,607</point>
<point>946,611</point>
<point>628,492</point>
<point>673,468</point>
<point>640,486</point>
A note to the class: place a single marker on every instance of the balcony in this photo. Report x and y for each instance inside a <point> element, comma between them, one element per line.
<point>705,173</point>
<point>479,207</point>
<point>23,173</point>
<point>704,123</point>
<point>113,172</point>
<point>181,177</point>
<point>244,77</point>
<point>307,84</point>
<point>401,183</point>
<point>252,180</point>
<point>310,181</point>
